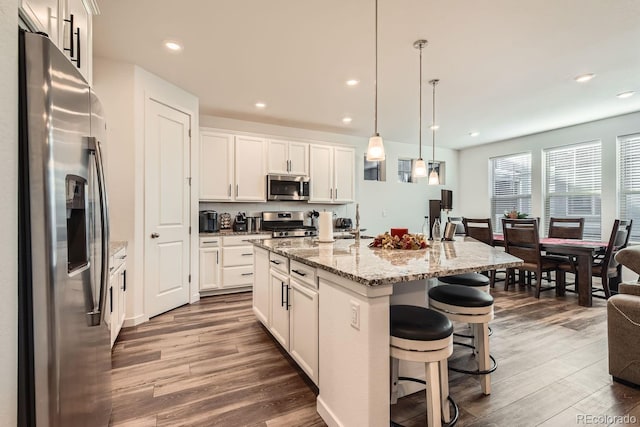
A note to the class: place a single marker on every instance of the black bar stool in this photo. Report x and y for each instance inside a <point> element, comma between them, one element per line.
<point>462,303</point>
<point>420,334</point>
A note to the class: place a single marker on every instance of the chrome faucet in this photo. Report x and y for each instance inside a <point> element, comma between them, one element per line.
<point>357,232</point>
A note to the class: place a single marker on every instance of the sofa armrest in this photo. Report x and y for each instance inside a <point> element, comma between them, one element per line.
<point>630,258</point>
<point>629,289</point>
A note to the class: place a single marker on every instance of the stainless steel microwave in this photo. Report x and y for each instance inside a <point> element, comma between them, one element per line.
<point>287,187</point>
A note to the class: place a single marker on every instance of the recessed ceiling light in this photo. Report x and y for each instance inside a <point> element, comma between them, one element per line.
<point>261,105</point>
<point>346,120</point>
<point>625,94</point>
<point>434,127</point>
<point>584,77</point>
<point>353,82</point>
<point>474,134</point>
<point>173,45</point>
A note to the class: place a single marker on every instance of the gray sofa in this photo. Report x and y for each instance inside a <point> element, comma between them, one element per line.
<point>623,323</point>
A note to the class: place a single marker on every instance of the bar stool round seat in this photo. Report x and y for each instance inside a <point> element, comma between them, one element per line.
<point>466,304</point>
<point>420,334</point>
<point>474,280</point>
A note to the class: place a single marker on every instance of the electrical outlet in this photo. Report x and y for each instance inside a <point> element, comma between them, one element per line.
<point>355,315</point>
<point>384,212</point>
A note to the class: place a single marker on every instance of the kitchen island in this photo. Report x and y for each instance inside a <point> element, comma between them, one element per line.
<point>328,305</point>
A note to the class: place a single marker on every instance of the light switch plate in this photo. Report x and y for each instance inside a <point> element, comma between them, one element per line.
<point>355,315</point>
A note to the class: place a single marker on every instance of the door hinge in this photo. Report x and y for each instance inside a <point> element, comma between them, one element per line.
<point>189,133</point>
<point>189,229</point>
<point>189,278</point>
<point>189,178</point>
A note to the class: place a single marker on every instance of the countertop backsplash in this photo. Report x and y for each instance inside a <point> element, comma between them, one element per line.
<point>256,209</point>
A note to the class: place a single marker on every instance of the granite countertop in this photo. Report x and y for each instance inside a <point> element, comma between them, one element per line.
<point>116,246</point>
<point>233,233</point>
<point>376,266</point>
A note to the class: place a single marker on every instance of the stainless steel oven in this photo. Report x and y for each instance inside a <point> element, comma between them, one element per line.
<point>287,187</point>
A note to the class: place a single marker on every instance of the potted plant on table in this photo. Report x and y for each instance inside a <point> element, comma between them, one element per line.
<point>514,214</point>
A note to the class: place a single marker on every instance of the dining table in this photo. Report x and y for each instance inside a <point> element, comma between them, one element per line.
<point>583,252</point>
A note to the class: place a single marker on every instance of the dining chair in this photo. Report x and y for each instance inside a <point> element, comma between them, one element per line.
<point>481,230</point>
<point>457,220</point>
<point>603,264</point>
<point>522,240</point>
<point>566,228</point>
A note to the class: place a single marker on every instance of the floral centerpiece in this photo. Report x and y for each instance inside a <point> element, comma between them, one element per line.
<point>407,241</point>
<point>514,214</point>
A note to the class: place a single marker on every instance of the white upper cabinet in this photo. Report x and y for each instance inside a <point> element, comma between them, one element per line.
<point>288,158</point>
<point>232,168</point>
<point>216,166</point>
<point>68,25</point>
<point>344,176</point>
<point>76,35</point>
<point>332,174</point>
<point>42,15</point>
<point>250,176</point>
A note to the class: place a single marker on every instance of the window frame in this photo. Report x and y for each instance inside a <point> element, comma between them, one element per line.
<point>517,198</point>
<point>633,138</point>
<point>593,221</point>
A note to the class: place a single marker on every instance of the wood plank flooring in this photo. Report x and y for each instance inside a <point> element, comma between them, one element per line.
<point>212,363</point>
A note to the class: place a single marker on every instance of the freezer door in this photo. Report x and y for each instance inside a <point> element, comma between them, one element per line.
<point>71,345</point>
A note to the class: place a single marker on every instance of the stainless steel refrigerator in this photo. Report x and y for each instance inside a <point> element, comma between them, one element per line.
<point>64,346</point>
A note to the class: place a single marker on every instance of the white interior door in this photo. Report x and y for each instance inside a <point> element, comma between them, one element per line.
<point>167,201</point>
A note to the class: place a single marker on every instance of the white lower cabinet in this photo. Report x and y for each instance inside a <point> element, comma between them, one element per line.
<point>209,264</point>
<point>303,329</point>
<point>117,293</point>
<point>279,327</point>
<point>226,263</point>
<point>261,280</point>
<point>285,300</point>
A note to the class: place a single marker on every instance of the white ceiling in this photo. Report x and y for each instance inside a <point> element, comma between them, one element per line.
<point>506,67</point>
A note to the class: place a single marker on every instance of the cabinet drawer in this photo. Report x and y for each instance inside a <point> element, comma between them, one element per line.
<point>237,255</point>
<point>279,262</point>
<point>237,276</point>
<point>117,259</point>
<point>240,240</point>
<point>210,241</point>
<point>303,273</point>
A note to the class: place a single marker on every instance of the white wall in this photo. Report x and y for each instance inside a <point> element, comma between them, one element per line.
<point>123,89</point>
<point>382,204</point>
<point>474,164</point>
<point>8,210</point>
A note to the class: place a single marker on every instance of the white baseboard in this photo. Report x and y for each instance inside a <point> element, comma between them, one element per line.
<point>226,291</point>
<point>326,413</point>
<point>135,321</point>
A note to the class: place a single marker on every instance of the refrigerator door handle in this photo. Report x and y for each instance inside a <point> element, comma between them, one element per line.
<point>94,317</point>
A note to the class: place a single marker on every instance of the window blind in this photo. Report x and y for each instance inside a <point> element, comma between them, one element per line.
<point>573,185</point>
<point>629,167</point>
<point>510,186</point>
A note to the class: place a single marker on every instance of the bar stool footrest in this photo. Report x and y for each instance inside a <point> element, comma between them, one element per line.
<point>471,336</point>
<point>477,371</point>
<point>456,410</point>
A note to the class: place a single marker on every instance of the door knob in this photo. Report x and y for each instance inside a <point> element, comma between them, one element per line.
<point>154,235</point>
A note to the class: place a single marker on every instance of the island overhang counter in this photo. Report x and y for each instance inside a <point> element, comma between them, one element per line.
<point>355,285</point>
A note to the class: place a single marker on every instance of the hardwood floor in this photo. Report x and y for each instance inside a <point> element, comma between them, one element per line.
<point>212,363</point>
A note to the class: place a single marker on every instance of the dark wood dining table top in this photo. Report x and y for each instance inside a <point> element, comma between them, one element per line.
<point>499,240</point>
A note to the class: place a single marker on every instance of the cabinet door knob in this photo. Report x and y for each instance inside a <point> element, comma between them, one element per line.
<point>154,235</point>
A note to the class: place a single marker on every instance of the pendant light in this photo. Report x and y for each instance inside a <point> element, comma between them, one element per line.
<point>419,167</point>
<point>434,179</point>
<point>375,150</point>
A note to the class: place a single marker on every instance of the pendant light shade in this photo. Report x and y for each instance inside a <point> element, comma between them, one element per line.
<point>419,166</point>
<point>375,150</point>
<point>434,178</point>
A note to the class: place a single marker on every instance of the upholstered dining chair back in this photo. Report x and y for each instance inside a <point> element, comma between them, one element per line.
<point>619,239</point>
<point>479,228</point>
<point>566,228</point>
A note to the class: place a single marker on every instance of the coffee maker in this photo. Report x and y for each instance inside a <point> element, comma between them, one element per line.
<point>208,221</point>
<point>240,222</point>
